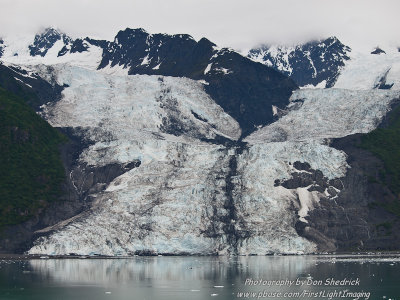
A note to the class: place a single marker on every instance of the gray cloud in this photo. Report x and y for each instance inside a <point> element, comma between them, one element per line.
<point>235,23</point>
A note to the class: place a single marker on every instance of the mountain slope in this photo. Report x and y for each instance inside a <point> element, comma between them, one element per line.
<point>314,63</point>
<point>384,143</point>
<point>1,47</point>
<point>179,147</point>
<point>31,169</point>
<point>40,172</point>
<point>342,205</point>
<point>329,63</point>
<point>366,70</point>
<point>45,41</point>
<point>244,89</point>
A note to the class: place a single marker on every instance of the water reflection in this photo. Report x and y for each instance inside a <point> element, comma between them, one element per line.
<point>170,268</point>
<point>188,277</point>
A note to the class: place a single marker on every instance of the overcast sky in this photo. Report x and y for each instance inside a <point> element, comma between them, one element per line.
<point>233,23</point>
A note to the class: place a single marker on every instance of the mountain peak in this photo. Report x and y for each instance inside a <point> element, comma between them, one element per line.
<point>378,50</point>
<point>127,35</point>
<point>183,36</point>
<point>333,39</point>
<point>45,40</point>
<point>205,41</point>
<point>1,47</point>
<point>51,31</point>
<point>138,30</point>
<point>315,62</point>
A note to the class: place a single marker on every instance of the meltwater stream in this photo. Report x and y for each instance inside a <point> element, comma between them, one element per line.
<point>174,278</point>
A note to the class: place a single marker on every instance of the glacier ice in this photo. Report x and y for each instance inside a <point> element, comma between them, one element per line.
<point>186,197</point>
<point>176,201</point>
<point>190,195</point>
<point>317,114</point>
<point>364,70</point>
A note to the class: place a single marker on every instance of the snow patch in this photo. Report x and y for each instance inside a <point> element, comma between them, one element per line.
<point>307,202</point>
<point>145,61</point>
<point>224,70</point>
<point>157,67</point>
<point>363,70</point>
<point>17,52</point>
<point>208,68</point>
<point>22,82</point>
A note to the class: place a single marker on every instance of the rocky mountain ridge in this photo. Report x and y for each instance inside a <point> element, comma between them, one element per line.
<point>329,63</point>
<point>313,63</point>
<point>244,89</point>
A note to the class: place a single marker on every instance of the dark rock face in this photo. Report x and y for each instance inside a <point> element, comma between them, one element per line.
<point>310,63</point>
<point>44,41</point>
<point>35,90</point>
<point>142,53</point>
<point>351,214</point>
<point>244,89</point>
<point>382,82</point>
<point>353,217</point>
<point>355,221</point>
<point>305,176</point>
<point>1,47</point>
<point>378,51</point>
<point>249,91</point>
<point>81,45</point>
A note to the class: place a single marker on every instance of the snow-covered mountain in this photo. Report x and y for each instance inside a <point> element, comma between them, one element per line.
<point>45,41</point>
<point>314,63</point>
<point>1,47</point>
<point>242,88</point>
<point>330,63</point>
<point>180,147</point>
<point>371,70</point>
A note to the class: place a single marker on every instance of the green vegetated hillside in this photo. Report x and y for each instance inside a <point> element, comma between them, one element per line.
<point>31,171</point>
<point>385,144</point>
<point>9,83</point>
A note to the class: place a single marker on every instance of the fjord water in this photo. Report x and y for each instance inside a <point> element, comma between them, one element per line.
<point>168,278</point>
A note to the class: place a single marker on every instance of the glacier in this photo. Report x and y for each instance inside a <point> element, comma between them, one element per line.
<point>191,195</point>
<point>318,114</point>
<point>176,202</point>
<point>364,70</point>
<point>202,188</point>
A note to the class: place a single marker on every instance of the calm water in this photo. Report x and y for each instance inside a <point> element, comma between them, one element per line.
<point>173,278</point>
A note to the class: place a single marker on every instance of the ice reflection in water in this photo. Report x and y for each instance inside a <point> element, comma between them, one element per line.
<point>187,277</point>
<point>169,268</point>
